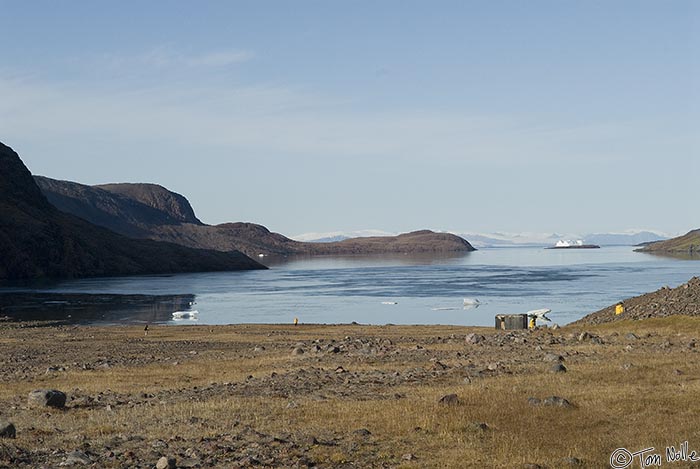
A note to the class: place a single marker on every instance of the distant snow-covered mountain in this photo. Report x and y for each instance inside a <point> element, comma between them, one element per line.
<point>503,239</point>
<point>623,239</point>
<point>333,236</point>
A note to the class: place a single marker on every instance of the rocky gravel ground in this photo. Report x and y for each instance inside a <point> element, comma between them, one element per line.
<point>291,367</point>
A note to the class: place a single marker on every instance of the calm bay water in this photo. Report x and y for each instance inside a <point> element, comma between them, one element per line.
<point>426,290</point>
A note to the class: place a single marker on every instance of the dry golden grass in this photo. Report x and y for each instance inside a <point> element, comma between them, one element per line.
<point>647,404</point>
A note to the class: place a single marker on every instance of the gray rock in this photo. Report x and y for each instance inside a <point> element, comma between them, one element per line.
<point>558,368</point>
<point>7,430</point>
<point>46,398</point>
<point>533,401</point>
<point>189,462</point>
<point>572,461</point>
<point>409,457</point>
<point>449,399</point>
<point>166,463</point>
<point>298,351</point>
<point>631,336</point>
<point>474,338</point>
<point>553,357</point>
<point>76,457</point>
<point>556,401</point>
<point>362,432</point>
<point>583,336</point>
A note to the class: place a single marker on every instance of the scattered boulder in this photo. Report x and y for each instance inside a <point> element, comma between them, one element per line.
<point>362,432</point>
<point>631,336</point>
<point>47,398</point>
<point>558,368</point>
<point>572,461</point>
<point>7,430</point>
<point>556,401</point>
<point>166,463</point>
<point>298,351</point>
<point>583,336</point>
<point>76,457</point>
<point>553,357</point>
<point>449,399</point>
<point>474,338</point>
<point>551,401</point>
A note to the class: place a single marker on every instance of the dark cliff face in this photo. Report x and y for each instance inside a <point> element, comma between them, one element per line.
<point>37,240</point>
<point>125,210</point>
<point>171,204</point>
<point>147,211</point>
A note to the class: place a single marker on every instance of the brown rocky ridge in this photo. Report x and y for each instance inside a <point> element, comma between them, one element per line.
<point>37,240</point>
<point>682,300</point>
<point>153,212</point>
<point>688,244</point>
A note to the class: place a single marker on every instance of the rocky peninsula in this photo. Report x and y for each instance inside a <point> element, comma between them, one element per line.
<point>153,212</point>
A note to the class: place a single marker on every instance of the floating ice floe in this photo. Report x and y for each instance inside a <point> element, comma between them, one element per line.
<point>178,315</point>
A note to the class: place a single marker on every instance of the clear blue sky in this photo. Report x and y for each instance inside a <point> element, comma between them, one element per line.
<point>567,116</point>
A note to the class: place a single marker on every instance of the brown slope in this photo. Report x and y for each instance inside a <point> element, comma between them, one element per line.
<point>37,240</point>
<point>689,243</point>
<point>666,301</point>
<point>120,214</point>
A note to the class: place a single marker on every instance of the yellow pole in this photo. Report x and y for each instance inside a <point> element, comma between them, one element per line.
<point>296,321</point>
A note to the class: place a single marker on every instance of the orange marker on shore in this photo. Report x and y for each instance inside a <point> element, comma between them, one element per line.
<point>296,321</point>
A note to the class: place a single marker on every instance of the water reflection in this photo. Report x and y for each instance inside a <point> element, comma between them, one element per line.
<point>92,308</point>
<point>683,256</point>
<point>378,260</point>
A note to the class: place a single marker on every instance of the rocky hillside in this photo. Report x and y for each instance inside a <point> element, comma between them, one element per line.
<point>663,302</point>
<point>149,211</point>
<point>689,243</point>
<point>37,240</point>
<point>174,205</point>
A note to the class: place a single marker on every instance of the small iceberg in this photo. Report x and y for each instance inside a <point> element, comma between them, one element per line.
<point>177,315</point>
<point>390,302</point>
<point>471,303</point>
